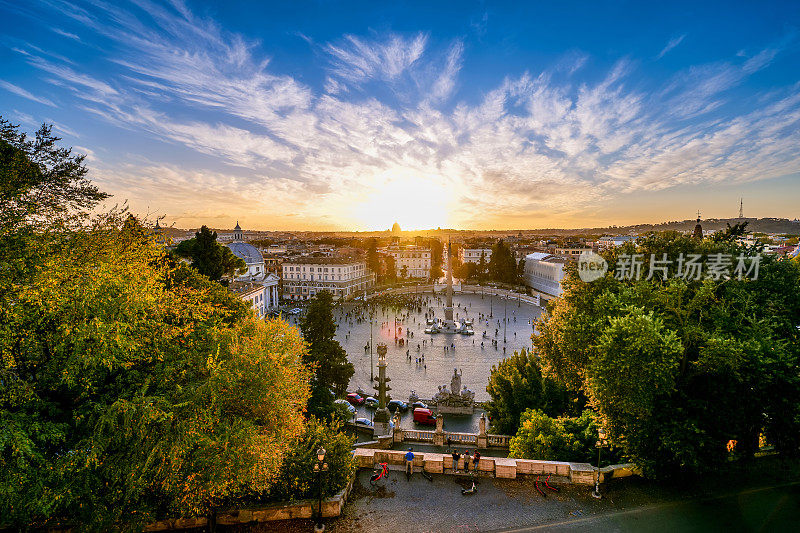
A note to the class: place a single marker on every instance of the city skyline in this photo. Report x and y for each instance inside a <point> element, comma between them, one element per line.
<point>483,117</point>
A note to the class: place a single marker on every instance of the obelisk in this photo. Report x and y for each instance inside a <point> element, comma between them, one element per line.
<point>448,310</point>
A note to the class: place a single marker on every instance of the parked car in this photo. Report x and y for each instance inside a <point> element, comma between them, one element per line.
<point>296,311</point>
<point>370,401</point>
<point>394,405</point>
<point>345,402</point>
<point>420,405</point>
<point>364,422</point>
<point>424,417</point>
<point>355,399</point>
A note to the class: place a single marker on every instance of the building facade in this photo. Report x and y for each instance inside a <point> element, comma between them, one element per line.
<point>544,272</point>
<point>411,260</point>
<point>612,241</point>
<point>473,255</point>
<point>256,284</point>
<point>345,278</point>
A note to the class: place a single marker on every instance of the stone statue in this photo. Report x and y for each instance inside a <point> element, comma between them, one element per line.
<point>455,381</point>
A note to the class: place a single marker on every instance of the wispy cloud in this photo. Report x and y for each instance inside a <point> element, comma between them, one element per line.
<point>534,143</point>
<point>19,91</point>
<point>675,41</point>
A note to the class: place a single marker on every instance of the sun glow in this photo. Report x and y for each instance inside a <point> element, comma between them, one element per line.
<point>416,202</point>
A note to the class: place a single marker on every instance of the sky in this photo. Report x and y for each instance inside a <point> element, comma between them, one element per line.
<point>352,115</point>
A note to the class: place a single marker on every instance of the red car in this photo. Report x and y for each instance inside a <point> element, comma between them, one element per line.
<point>355,399</point>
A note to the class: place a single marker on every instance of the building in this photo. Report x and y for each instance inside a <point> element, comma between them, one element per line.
<point>612,241</point>
<point>262,295</point>
<point>256,278</point>
<point>410,261</point>
<point>573,251</point>
<point>698,229</point>
<point>344,277</point>
<point>544,272</point>
<point>473,255</point>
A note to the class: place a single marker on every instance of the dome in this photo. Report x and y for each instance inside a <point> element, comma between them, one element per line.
<point>246,252</point>
<point>396,228</point>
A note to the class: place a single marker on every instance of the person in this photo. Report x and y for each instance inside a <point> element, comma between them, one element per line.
<point>456,457</point>
<point>409,463</point>
<point>475,460</point>
<point>467,460</point>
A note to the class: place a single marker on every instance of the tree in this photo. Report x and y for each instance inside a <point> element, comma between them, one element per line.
<point>502,266</point>
<point>482,270</point>
<point>437,252</point>
<point>208,256</point>
<point>332,370</point>
<point>133,388</point>
<point>373,259</point>
<point>515,384</point>
<point>556,439</point>
<point>653,354</point>
<point>41,183</point>
<point>297,479</point>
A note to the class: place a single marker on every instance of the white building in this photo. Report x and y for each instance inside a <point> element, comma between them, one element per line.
<point>263,295</point>
<point>473,255</point>
<point>255,278</point>
<point>415,259</point>
<point>612,241</point>
<point>544,272</point>
<point>344,277</point>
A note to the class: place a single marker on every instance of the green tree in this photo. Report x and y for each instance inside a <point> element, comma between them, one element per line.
<point>373,259</point>
<point>437,252</point>
<point>653,354</point>
<point>332,370</point>
<point>133,388</point>
<point>297,479</point>
<point>502,265</point>
<point>556,439</point>
<point>515,384</point>
<point>209,257</point>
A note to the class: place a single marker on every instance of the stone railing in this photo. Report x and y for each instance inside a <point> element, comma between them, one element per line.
<point>501,441</point>
<point>462,438</point>
<point>502,467</point>
<point>417,435</point>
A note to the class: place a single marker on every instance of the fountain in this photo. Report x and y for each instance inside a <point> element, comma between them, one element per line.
<point>457,400</point>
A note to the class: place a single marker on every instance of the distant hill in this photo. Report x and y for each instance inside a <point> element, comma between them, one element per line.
<point>764,225</point>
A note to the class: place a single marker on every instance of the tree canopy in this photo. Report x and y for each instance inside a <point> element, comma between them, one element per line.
<point>131,387</point>
<point>678,367</point>
<point>208,256</point>
<point>332,370</point>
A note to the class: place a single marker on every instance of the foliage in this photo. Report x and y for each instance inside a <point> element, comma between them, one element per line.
<point>557,439</point>
<point>208,256</point>
<point>297,479</point>
<point>41,183</point>
<point>515,384</point>
<point>133,387</point>
<point>437,252</point>
<point>130,386</point>
<point>325,355</point>
<point>502,265</point>
<point>676,368</point>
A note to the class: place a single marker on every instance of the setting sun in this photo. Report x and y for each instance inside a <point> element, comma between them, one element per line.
<point>414,201</point>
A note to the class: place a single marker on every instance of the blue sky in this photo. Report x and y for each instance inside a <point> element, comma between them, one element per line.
<point>334,115</point>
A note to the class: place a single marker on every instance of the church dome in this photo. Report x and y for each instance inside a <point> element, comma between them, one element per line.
<point>246,252</point>
<point>396,228</point>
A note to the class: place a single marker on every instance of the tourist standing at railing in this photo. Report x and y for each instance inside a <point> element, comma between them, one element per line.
<point>475,460</point>
<point>456,457</point>
<point>467,459</point>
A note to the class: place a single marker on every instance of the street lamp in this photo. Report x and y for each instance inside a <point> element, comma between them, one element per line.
<point>319,467</point>
<point>601,442</point>
<point>371,363</point>
<point>505,317</point>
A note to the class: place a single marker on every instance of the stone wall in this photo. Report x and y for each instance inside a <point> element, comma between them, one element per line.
<point>502,467</point>
<point>331,507</point>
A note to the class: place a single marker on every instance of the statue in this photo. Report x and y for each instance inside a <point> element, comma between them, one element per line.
<point>455,382</point>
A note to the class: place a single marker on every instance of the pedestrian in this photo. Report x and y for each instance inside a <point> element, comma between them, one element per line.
<point>476,457</point>
<point>456,457</point>
<point>467,460</point>
<point>409,463</point>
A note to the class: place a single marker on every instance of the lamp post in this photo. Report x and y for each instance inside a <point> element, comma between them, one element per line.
<point>319,467</point>
<point>601,442</point>
<point>371,363</point>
